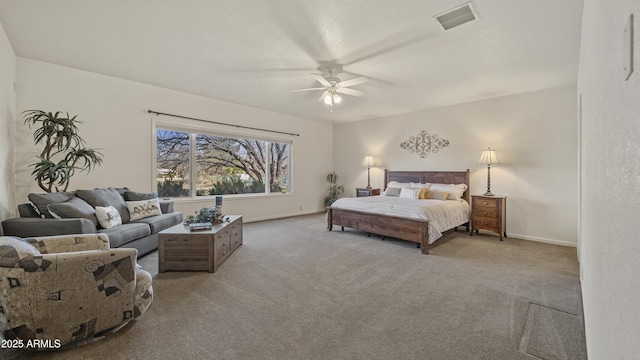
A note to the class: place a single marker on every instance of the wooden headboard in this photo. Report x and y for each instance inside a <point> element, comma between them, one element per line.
<point>441,177</point>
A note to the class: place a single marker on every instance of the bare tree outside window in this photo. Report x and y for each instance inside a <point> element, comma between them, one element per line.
<point>172,149</point>
<point>226,165</point>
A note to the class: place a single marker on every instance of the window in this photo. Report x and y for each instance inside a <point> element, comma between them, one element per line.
<point>219,164</point>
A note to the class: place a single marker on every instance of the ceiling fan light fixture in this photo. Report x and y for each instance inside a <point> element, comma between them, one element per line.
<point>332,98</point>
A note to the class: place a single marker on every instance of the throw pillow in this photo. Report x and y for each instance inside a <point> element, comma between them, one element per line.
<point>408,193</point>
<point>106,197</point>
<point>438,195</point>
<point>391,191</point>
<point>39,202</point>
<point>108,216</point>
<point>74,208</point>
<point>143,208</point>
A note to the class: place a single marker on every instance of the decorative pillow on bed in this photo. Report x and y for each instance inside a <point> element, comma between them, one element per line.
<point>437,195</point>
<point>423,193</point>
<point>408,193</point>
<point>455,190</point>
<point>108,216</point>
<point>392,191</point>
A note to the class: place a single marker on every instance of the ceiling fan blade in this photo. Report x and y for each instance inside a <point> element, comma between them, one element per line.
<point>309,89</point>
<point>352,92</point>
<point>352,82</point>
<point>321,79</point>
<point>323,95</point>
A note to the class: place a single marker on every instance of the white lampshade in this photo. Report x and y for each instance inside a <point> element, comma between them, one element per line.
<point>489,157</point>
<point>368,161</point>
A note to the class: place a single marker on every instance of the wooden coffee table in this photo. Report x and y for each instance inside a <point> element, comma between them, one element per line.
<point>182,250</point>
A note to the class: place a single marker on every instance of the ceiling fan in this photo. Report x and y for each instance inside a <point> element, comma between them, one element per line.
<point>333,86</point>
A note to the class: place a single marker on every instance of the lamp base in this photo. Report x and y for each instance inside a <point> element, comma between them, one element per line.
<point>488,193</point>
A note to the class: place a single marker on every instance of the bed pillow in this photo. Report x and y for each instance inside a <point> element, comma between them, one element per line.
<point>419,185</point>
<point>437,195</point>
<point>455,191</point>
<point>108,216</point>
<point>392,191</point>
<point>144,208</point>
<point>408,193</point>
<point>396,184</point>
<point>72,209</point>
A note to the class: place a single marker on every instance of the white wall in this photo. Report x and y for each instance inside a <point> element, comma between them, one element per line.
<point>7,117</point>
<point>535,137</point>
<point>114,112</point>
<point>610,248</point>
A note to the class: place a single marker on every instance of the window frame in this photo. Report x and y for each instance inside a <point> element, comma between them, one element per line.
<point>193,131</point>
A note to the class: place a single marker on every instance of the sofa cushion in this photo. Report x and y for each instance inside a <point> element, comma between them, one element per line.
<point>74,208</point>
<point>143,208</point>
<point>125,233</point>
<point>160,222</point>
<point>137,196</point>
<point>39,202</point>
<point>106,197</point>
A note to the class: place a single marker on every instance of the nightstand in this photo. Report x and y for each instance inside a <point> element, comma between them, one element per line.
<point>360,192</point>
<point>489,213</point>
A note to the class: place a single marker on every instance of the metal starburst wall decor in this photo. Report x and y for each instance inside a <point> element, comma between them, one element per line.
<point>424,143</point>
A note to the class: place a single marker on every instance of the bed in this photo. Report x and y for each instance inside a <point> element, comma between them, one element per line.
<point>395,225</point>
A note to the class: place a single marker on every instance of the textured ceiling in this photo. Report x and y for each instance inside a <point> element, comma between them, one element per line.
<point>255,52</point>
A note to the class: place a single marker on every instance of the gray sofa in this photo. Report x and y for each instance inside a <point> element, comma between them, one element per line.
<point>75,213</point>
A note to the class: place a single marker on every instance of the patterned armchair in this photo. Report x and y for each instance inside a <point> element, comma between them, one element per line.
<point>67,289</point>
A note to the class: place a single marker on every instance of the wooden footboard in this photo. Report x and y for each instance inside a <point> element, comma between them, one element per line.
<point>414,230</point>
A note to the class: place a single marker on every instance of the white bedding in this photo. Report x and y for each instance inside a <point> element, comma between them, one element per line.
<point>442,215</point>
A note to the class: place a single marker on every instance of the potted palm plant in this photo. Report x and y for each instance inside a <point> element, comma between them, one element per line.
<point>64,150</point>
<point>334,191</point>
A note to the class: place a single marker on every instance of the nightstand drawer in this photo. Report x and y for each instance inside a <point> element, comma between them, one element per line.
<point>488,203</point>
<point>486,224</point>
<point>485,212</point>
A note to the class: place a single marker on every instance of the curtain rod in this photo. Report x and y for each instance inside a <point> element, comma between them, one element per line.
<point>221,123</point>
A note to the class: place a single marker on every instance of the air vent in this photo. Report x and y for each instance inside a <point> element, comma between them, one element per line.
<point>456,17</point>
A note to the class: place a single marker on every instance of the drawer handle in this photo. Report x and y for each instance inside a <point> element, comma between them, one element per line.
<point>486,203</point>
<point>224,244</point>
<point>486,223</point>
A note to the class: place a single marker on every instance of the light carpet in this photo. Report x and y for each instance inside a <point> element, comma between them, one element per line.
<point>296,291</point>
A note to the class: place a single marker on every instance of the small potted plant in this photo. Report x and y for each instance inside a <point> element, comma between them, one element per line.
<point>203,219</point>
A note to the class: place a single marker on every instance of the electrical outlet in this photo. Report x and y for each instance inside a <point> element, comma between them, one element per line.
<point>300,207</point>
<point>581,274</point>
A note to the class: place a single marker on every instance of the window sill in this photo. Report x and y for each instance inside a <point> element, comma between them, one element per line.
<point>179,200</point>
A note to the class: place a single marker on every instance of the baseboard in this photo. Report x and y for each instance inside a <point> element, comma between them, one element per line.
<point>543,240</point>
